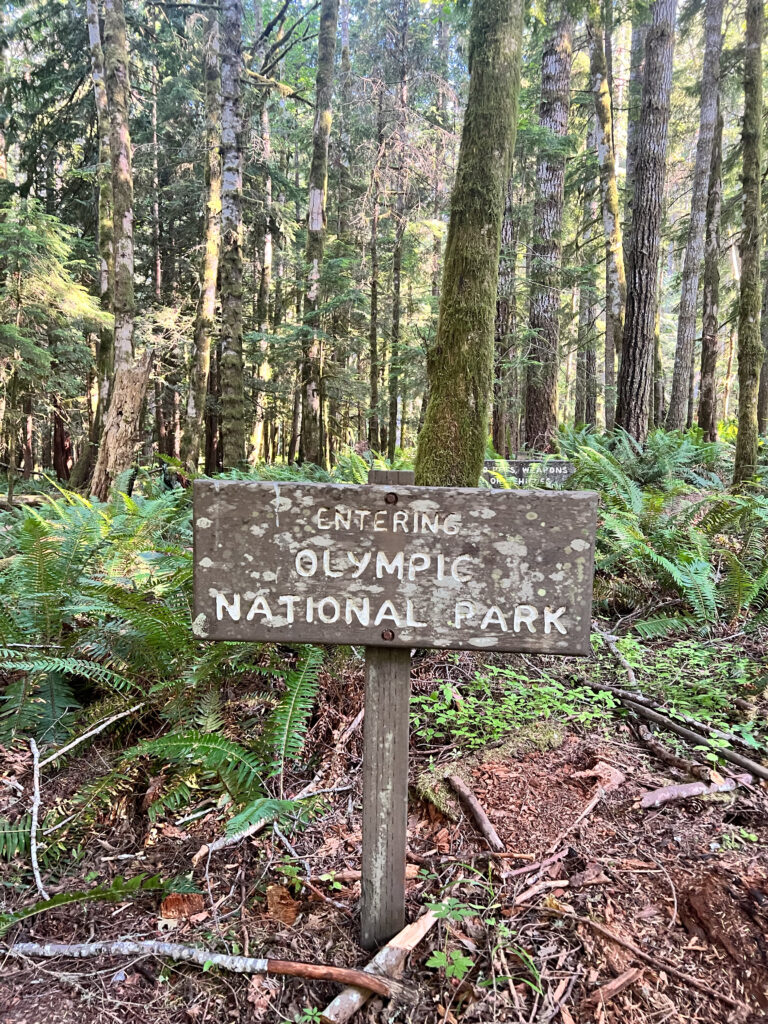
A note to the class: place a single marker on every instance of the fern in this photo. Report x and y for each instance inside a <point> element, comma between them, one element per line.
<point>263,809</point>
<point>287,725</point>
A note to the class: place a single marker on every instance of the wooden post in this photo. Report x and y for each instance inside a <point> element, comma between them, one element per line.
<point>385,778</point>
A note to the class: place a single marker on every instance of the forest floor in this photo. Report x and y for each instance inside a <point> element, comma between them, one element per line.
<point>685,883</point>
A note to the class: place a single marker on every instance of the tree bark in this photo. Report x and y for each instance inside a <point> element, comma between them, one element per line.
<point>504,325</point>
<point>694,252</point>
<point>312,432</point>
<point>750,298</point>
<point>635,96</point>
<point>460,364</point>
<point>123,417</point>
<point>711,290</point>
<point>105,350</point>
<point>541,383</point>
<point>615,279</point>
<point>586,395</point>
<point>206,309</point>
<point>762,392</point>
<point>636,368</point>
<point>231,255</point>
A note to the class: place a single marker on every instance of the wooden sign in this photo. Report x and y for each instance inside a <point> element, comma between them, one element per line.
<point>394,565</point>
<point>528,472</point>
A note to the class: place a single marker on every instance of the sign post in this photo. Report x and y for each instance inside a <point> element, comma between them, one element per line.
<point>392,566</point>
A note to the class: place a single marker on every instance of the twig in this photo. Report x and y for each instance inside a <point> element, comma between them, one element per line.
<point>615,987</point>
<point>207,958</point>
<point>657,964</point>
<point>41,890</point>
<point>685,791</point>
<point>482,820</point>
<point>87,735</point>
<point>388,961</point>
<point>663,753</point>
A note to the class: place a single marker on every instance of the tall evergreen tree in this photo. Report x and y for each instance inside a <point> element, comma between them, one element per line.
<point>750,246</point>
<point>541,383</point>
<point>636,369</point>
<point>694,252</point>
<point>460,363</point>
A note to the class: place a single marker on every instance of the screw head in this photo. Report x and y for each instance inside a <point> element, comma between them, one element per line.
<point>391,498</point>
<point>387,634</point>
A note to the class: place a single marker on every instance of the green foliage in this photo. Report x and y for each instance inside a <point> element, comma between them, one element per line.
<point>287,726</point>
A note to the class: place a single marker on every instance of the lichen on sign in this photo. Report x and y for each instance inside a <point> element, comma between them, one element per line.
<point>394,565</point>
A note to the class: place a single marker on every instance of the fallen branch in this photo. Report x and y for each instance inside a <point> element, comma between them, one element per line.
<point>207,958</point>
<point>672,794</point>
<point>652,961</point>
<point>664,754</point>
<point>632,701</point>
<point>388,961</point>
<point>482,821</point>
<point>87,735</point>
<point>41,890</point>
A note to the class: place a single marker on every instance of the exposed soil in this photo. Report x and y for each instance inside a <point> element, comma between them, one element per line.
<point>686,883</point>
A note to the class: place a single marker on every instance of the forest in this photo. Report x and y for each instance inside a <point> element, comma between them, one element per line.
<point>512,252</point>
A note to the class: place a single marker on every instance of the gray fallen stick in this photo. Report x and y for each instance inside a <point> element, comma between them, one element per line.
<point>687,790</point>
<point>482,820</point>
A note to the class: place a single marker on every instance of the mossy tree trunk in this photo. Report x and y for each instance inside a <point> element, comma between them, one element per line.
<point>122,420</point>
<point>460,363</point>
<point>312,429</point>
<point>585,411</point>
<point>206,309</point>
<point>231,256</point>
<point>762,393</point>
<point>677,413</point>
<point>615,279</point>
<point>544,319</point>
<point>711,290</point>
<point>750,298</point>
<point>637,367</point>
<point>504,327</point>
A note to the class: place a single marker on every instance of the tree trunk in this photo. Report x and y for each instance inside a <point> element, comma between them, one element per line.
<point>460,363</point>
<point>206,308</point>
<point>686,323</point>
<point>115,453</point>
<point>711,290</point>
<point>231,255</point>
<point>635,97</point>
<point>121,426</point>
<point>586,396</point>
<point>62,443</point>
<point>541,383</point>
<point>636,369</point>
<point>762,393</point>
<point>750,298</point>
<point>504,325</point>
<point>312,433</point>
<point>105,352</point>
<point>615,279</point>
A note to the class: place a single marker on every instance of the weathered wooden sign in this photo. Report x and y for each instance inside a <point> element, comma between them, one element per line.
<point>527,472</point>
<point>394,565</point>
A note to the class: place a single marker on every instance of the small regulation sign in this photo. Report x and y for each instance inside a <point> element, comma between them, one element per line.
<point>394,565</point>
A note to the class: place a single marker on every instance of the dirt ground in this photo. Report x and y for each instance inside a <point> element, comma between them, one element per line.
<point>644,915</point>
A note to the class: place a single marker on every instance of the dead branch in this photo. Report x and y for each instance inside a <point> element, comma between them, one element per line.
<point>664,754</point>
<point>482,821</point>
<point>673,794</point>
<point>388,961</point>
<point>87,735</point>
<point>41,891</point>
<point>697,738</point>
<point>206,957</point>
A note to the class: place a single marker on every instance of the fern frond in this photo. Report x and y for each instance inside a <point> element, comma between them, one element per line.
<point>287,725</point>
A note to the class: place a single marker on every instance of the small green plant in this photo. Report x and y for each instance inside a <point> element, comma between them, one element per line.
<point>454,964</point>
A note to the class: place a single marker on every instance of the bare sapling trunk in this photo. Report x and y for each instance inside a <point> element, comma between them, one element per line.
<point>711,291</point>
